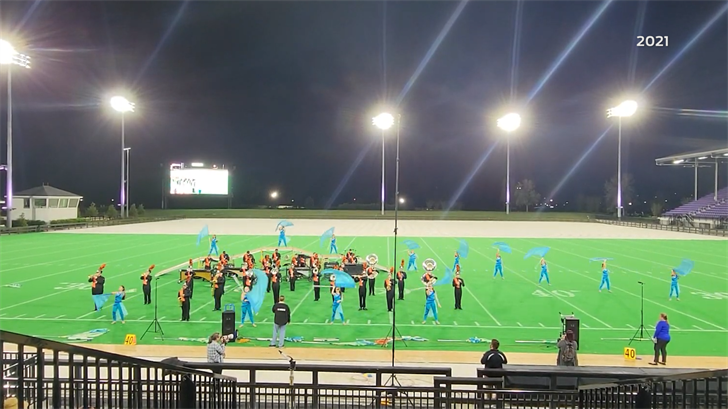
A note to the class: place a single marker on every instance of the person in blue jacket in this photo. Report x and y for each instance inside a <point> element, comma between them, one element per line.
<point>661,339</point>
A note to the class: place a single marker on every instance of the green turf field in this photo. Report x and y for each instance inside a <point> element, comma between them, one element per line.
<point>54,297</point>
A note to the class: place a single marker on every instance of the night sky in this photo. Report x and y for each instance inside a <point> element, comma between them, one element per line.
<point>285,92</point>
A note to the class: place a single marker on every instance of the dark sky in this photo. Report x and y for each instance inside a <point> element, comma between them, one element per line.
<point>285,92</point>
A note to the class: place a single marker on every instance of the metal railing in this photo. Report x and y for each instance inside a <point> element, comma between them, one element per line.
<point>705,389</point>
<point>667,227</point>
<point>71,376</point>
<point>84,224</point>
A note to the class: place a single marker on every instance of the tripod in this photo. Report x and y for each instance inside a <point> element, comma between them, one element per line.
<point>641,330</point>
<point>155,322</point>
<point>292,371</point>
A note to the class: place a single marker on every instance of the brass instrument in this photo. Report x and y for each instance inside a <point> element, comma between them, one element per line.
<point>429,265</point>
<point>372,259</point>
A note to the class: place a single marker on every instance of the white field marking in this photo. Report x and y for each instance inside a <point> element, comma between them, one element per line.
<point>630,327</point>
<point>390,318</point>
<point>369,321</point>
<point>142,317</point>
<point>203,318</point>
<point>541,325</point>
<point>87,314</point>
<point>585,326</point>
<point>305,321</point>
<point>100,318</point>
<point>55,250</point>
<point>18,316</point>
<point>454,323</point>
<point>347,322</point>
<point>382,325</point>
<point>519,324</point>
<point>559,298</point>
<point>697,327</point>
<point>327,321</point>
<point>477,324</point>
<point>265,320</point>
<point>466,288</point>
<point>202,306</point>
<point>40,316</point>
<point>675,327</point>
<point>59,317</point>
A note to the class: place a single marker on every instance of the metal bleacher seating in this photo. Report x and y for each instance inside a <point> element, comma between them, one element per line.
<point>705,207</point>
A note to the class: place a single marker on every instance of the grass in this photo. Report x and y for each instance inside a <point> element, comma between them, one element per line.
<point>54,298</point>
<point>367,214</point>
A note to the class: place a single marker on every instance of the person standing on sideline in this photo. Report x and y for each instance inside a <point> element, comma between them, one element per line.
<point>281,319</point>
<point>494,358</point>
<point>216,351</point>
<point>567,350</point>
<point>661,339</point>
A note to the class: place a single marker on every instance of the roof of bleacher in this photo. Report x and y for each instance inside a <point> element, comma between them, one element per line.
<point>691,158</point>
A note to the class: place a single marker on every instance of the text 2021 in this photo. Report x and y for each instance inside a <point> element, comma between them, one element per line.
<point>652,41</point>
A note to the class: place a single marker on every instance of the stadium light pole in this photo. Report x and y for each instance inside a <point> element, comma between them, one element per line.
<point>623,110</point>
<point>509,123</point>
<point>9,56</point>
<point>383,121</point>
<point>122,105</point>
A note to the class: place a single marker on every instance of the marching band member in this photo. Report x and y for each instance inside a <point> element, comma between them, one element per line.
<point>332,247</point>
<point>276,258</point>
<point>213,245</point>
<point>218,288</point>
<point>208,263</point>
<point>389,290</point>
<point>184,302</point>
<point>97,283</point>
<point>337,307</point>
<point>276,285</point>
<point>246,308</point>
<point>401,276</point>
<point>544,272</point>
<point>605,278</point>
<point>426,278</point>
<point>282,237</point>
<point>498,264</point>
<point>457,261</point>
<point>118,307</point>
<point>458,285</point>
<point>315,277</point>
<point>224,259</point>
<point>292,278</point>
<point>332,284</point>
<point>269,273</point>
<point>372,278</point>
<point>147,286</point>
<point>674,286</point>
<point>189,279</point>
<point>430,301</point>
<point>412,260</point>
<point>362,280</point>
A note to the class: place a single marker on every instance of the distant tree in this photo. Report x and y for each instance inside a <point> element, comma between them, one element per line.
<point>657,206</point>
<point>593,204</point>
<point>525,194</point>
<point>687,199</point>
<point>141,210</point>
<point>92,211</point>
<point>111,212</point>
<point>308,203</point>
<point>133,212</point>
<point>610,192</point>
<point>430,204</point>
<point>20,221</point>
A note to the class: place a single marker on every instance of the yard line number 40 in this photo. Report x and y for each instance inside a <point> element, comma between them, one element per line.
<point>554,293</point>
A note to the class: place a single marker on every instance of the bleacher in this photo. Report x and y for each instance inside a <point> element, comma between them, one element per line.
<point>48,374</point>
<point>706,207</point>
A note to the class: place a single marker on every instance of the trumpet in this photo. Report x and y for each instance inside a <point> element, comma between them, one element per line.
<point>429,265</point>
<point>372,259</point>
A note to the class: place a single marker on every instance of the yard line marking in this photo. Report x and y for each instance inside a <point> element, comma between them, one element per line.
<point>58,317</point>
<point>454,323</point>
<point>162,318</point>
<point>412,322</point>
<point>305,297</point>
<point>630,327</point>
<point>265,320</point>
<point>327,321</point>
<point>18,316</point>
<point>675,327</point>
<point>477,325</point>
<point>87,314</point>
<point>585,326</point>
<point>200,307</point>
<point>697,327</point>
<point>203,318</point>
<point>541,325</point>
<point>99,318</point>
<point>466,288</point>
<point>42,315</point>
<point>369,321</point>
<point>347,322</point>
<point>305,321</point>
<point>142,317</point>
<point>519,324</point>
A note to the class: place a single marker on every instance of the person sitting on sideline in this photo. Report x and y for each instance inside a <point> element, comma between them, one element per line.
<point>494,358</point>
<point>216,350</point>
<point>281,319</point>
<point>567,350</point>
<point>661,339</point>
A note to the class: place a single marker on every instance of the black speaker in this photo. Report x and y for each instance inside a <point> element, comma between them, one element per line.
<point>228,319</point>
<point>354,269</point>
<point>572,324</point>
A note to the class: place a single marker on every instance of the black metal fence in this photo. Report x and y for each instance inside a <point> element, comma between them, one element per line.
<point>84,224</point>
<point>666,227</point>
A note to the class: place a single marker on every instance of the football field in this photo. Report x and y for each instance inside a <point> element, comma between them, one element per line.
<point>44,290</point>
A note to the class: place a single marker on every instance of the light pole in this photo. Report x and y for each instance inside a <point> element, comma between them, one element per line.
<point>122,105</point>
<point>509,123</point>
<point>10,57</point>
<point>383,121</point>
<point>625,109</point>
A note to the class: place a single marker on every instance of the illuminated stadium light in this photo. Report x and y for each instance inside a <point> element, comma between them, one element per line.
<point>383,121</point>
<point>274,195</point>
<point>625,109</point>
<point>9,56</point>
<point>121,104</point>
<point>678,161</point>
<point>702,157</point>
<point>509,123</point>
<point>401,200</point>
<point>197,164</point>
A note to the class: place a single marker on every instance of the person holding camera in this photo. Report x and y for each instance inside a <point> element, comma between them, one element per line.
<point>216,350</point>
<point>494,358</point>
<point>567,350</point>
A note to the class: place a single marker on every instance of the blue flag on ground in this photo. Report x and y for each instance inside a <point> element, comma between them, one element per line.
<point>685,267</point>
<point>464,249</point>
<point>257,293</point>
<point>536,251</point>
<point>203,233</point>
<point>411,244</point>
<point>326,236</point>
<point>502,247</point>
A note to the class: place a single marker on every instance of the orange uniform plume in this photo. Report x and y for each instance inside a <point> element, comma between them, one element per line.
<point>151,267</point>
<point>102,266</point>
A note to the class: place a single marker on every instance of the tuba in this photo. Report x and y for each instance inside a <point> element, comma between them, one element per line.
<point>372,260</point>
<point>429,265</point>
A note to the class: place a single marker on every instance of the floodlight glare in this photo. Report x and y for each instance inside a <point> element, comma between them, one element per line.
<point>401,200</point>
<point>273,195</point>
<point>197,164</point>
<point>7,52</point>
<point>702,157</point>
<point>510,122</point>
<point>383,121</point>
<point>679,161</point>
<point>625,109</point>
<point>121,104</point>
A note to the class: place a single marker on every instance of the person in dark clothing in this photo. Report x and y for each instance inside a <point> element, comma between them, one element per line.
<point>389,290</point>
<point>184,302</point>
<point>661,339</point>
<point>316,278</point>
<point>292,278</point>
<point>282,317</point>
<point>458,284</point>
<point>401,276</point>
<point>190,280</point>
<point>276,283</point>
<point>97,283</point>
<point>362,280</point>
<point>372,278</point>
<point>218,284</point>
<point>494,358</point>
<point>147,286</point>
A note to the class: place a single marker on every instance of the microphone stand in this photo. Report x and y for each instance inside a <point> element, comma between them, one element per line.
<point>641,330</point>
<point>157,327</point>
<point>292,369</point>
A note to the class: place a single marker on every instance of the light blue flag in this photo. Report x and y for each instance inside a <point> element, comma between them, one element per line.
<point>257,293</point>
<point>283,223</point>
<point>342,278</point>
<point>203,233</point>
<point>685,267</point>
<point>536,251</point>
<point>502,247</point>
<point>599,259</point>
<point>411,245</point>
<point>326,236</point>
<point>464,249</point>
<point>447,279</point>
<point>100,300</point>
